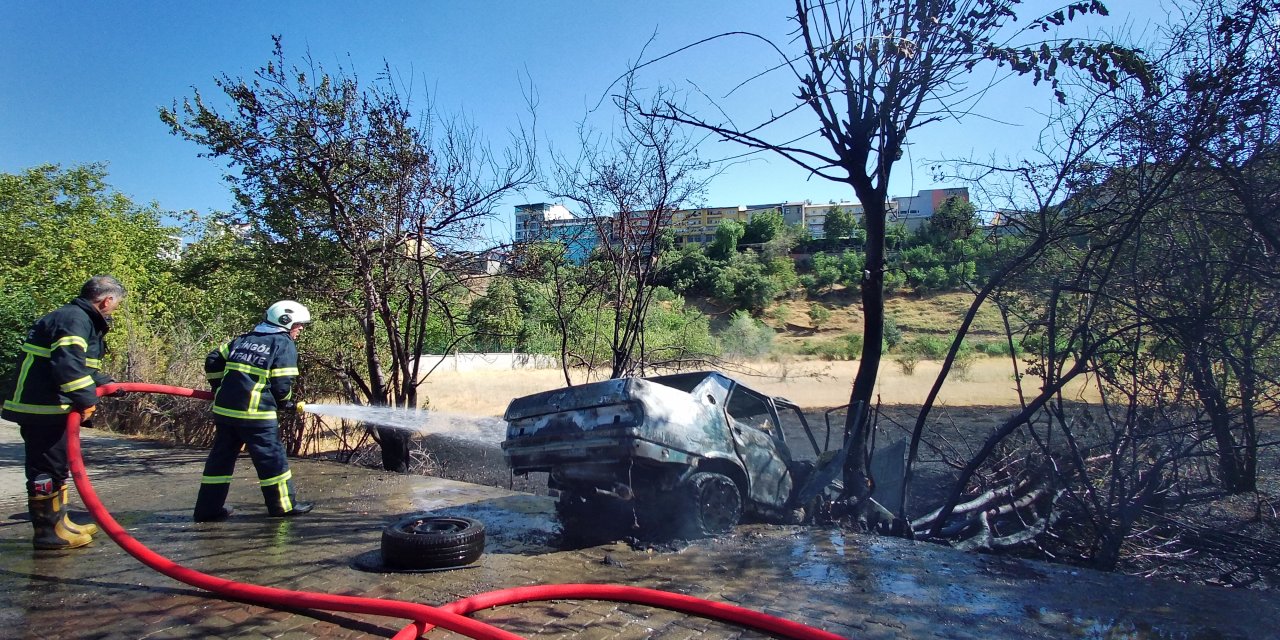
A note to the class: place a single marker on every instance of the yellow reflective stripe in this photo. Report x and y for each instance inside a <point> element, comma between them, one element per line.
<point>246,415</point>
<point>66,341</point>
<point>37,409</point>
<point>255,396</point>
<point>225,349</point>
<point>36,350</point>
<point>215,375</point>
<point>280,479</point>
<point>281,482</point>
<point>244,368</point>
<point>22,377</point>
<point>75,385</point>
<point>282,497</point>
<point>215,479</point>
<point>284,371</point>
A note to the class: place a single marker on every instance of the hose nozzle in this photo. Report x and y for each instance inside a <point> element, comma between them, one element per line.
<point>300,407</point>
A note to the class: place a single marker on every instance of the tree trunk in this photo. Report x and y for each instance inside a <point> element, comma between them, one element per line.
<point>395,449</point>
<point>857,481</point>
<point>1229,466</point>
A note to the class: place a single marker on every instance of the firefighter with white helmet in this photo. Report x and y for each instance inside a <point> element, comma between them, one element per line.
<point>252,377</point>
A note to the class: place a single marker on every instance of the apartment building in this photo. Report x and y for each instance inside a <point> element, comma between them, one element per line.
<point>698,226</point>
<point>815,215</point>
<point>792,212</point>
<point>544,221</point>
<point>914,211</point>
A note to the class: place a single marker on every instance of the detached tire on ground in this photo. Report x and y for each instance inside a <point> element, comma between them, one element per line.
<point>432,542</point>
<point>710,505</point>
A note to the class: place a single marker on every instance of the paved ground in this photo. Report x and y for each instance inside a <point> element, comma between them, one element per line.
<point>855,586</point>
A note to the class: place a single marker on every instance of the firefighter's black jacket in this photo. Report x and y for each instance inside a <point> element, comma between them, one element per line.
<point>60,366</point>
<point>252,375</point>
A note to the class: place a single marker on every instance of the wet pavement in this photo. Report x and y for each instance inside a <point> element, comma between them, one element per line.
<point>852,585</point>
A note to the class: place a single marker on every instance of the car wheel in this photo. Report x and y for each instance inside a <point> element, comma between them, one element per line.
<point>711,504</point>
<point>432,542</point>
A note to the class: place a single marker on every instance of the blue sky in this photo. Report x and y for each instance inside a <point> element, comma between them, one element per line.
<point>83,81</point>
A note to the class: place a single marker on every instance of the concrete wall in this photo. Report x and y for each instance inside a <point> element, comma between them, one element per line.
<point>487,362</point>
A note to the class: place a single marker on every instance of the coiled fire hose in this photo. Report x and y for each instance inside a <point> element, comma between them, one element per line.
<point>451,616</point>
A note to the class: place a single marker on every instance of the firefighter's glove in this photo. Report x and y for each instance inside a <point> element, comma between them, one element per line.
<point>118,393</point>
<point>87,413</point>
<point>292,405</point>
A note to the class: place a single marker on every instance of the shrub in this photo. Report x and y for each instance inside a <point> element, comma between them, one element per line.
<point>907,360</point>
<point>962,365</point>
<point>818,315</point>
<point>826,351</point>
<point>892,334</point>
<point>853,343</point>
<point>994,348</point>
<point>894,280</point>
<point>931,347</point>
<point>746,337</point>
<point>848,347</point>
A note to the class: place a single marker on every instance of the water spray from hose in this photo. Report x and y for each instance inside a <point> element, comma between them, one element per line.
<point>395,417</point>
<point>420,421</point>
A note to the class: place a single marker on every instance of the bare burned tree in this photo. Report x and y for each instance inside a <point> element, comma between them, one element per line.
<point>354,199</point>
<point>1136,281</point>
<point>872,73</point>
<point>629,184</point>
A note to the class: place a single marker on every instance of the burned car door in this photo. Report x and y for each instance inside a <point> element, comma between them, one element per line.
<point>760,446</point>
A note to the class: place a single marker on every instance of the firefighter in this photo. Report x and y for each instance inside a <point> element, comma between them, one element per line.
<point>252,377</point>
<point>59,370</point>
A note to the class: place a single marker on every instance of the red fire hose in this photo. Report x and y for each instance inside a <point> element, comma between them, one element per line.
<point>425,617</point>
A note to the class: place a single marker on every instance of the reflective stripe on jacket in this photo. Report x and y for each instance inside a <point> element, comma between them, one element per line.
<point>252,374</point>
<point>59,367</point>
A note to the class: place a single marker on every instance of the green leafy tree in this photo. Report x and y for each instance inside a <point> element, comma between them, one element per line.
<point>798,235</point>
<point>63,226</point>
<point>688,270</point>
<point>675,334</point>
<point>764,226</point>
<point>725,245</point>
<point>748,282</point>
<point>896,236</point>
<point>850,265</point>
<point>943,253</point>
<point>495,317</point>
<point>955,219</point>
<point>839,226</point>
<point>825,274</point>
<point>356,206</point>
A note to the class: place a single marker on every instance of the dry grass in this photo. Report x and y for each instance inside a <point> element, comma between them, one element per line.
<point>932,314</point>
<point>808,383</point>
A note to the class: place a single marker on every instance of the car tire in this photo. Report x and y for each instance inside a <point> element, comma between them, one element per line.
<point>711,505</point>
<point>432,542</point>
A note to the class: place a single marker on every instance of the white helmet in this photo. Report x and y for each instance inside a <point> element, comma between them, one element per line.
<point>287,313</point>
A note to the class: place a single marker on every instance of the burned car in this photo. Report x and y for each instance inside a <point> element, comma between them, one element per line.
<point>684,455</point>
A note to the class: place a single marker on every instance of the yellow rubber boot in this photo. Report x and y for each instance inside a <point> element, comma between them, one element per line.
<point>49,524</point>
<point>87,528</point>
